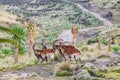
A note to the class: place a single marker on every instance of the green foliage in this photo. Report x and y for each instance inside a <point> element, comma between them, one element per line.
<point>61,15</point>
<point>57,56</point>
<point>93,40</point>
<point>10,51</point>
<point>104,41</point>
<point>5,52</point>
<point>17,67</point>
<point>17,33</point>
<point>117,70</point>
<point>22,50</point>
<point>63,73</point>
<point>115,48</point>
<point>54,4</point>
<point>83,18</point>
<point>95,73</point>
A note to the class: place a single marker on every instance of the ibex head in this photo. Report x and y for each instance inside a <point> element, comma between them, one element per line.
<point>55,46</point>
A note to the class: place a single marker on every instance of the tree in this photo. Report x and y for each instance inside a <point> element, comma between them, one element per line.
<point>31,31</point>
<point>17,38</point>
<point>74,32</point>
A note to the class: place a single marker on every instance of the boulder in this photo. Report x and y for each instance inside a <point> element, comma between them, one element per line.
<point>83,75</point>
<point>83,34</point>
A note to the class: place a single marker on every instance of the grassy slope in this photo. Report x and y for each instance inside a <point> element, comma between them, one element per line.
<point>61,16</point>
<point>55,17</point>
<point>7,18</point>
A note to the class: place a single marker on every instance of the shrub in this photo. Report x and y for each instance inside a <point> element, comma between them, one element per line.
<point>95,73</point>
<point>57,56</point>
<point>6,52</point>
<point>22,50</point>
<point>63,73</point>
<point>104,41</point>
<point>93,40</point>
<point>64,66</point>
<point>115,48</point>
<point>117,70</point>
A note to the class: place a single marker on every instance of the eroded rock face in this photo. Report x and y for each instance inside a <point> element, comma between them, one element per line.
<point>83,34</point>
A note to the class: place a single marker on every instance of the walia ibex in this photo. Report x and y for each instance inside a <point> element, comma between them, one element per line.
<point>44,53</point>
<point>68,51</point>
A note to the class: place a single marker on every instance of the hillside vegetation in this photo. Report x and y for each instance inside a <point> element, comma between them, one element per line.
<point>22,57</point>
<point>8,18</point>
<point>52,17</point>
<point>103,7</point>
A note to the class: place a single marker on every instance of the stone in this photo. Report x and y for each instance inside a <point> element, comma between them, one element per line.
<point>118,64</point>
<point>83,75</point>
<point>74,66</point>
<point>90,65</point>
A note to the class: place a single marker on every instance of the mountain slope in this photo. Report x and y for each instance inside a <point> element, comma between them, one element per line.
<point>53,16</point>
<point>7,18</point>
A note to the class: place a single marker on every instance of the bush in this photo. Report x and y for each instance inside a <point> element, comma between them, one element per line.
<point>93,40</point>
<point>6,52</point>
<point>22,50</point>
<point>115,48</point>
<point>57,56</point>
<point>117,70</point>
<point>104,41</point>
<point>95,73</point>
<point>63,73</point>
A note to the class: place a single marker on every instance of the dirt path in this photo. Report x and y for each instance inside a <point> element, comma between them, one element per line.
<point>106,22</point>
<point>40,71</point>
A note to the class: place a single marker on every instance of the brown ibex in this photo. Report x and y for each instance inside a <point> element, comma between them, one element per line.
<point>69,51</point>
<point>45,53</point>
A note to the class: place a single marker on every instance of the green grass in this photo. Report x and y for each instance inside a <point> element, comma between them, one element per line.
<point>63,73</point>
<point>96,73</point>
<point>113,72</point>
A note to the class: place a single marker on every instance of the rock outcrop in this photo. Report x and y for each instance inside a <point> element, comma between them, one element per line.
<point>83,34</point>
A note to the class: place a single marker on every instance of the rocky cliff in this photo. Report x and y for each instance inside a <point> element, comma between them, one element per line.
<point>83,34</point>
